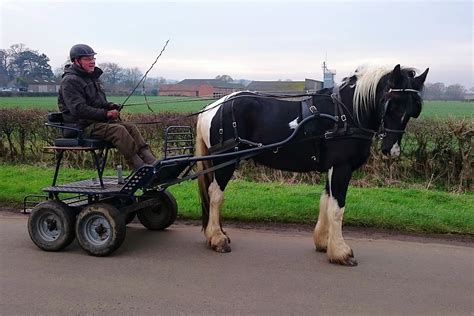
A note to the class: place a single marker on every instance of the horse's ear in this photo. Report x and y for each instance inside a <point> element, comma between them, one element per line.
<point>396,76</point>
<point>418,81</point>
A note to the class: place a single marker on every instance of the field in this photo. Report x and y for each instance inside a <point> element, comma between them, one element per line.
<point>436,109</point>
<point>136,104</point>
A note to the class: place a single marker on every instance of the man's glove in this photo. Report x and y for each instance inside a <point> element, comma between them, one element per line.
<point>115,106</point>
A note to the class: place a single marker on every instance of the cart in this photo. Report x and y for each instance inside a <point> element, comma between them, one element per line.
<point>96,211</point>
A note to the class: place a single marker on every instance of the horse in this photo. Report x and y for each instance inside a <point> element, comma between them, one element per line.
<point>378,101</point>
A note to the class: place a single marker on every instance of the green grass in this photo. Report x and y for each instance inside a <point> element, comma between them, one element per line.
<point>157,103</point>
<point>442,109</point>
<point>413,210</point>
<point>437,109</point>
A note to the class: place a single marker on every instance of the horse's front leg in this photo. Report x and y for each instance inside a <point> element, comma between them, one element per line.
<point>336,188</point>
<point>215,236</point>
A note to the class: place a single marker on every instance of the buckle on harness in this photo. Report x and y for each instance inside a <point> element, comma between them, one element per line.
<point>313,109</point>
<point>328,134</point>
<point>221,131</point>
<point>343,118</point>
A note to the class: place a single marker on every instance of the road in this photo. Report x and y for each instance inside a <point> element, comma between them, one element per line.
<point>267,273</point>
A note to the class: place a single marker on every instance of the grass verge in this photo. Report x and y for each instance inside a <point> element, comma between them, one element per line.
<point>410,210</point>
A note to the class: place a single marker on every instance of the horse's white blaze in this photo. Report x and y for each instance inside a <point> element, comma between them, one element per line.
<point>205,118</point>
<point>293,124</point>
<point>395,150</point>
<point>337,249</point>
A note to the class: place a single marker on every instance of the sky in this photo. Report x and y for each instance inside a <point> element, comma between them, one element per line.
<point>254,40</point>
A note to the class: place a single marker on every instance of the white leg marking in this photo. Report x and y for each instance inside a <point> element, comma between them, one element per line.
<point>213,232</point>
<point>338,251</point>
<point>330,179</point>
<point>320,234</point>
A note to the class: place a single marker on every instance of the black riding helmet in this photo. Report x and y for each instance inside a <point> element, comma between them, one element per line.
<point>80,50</point>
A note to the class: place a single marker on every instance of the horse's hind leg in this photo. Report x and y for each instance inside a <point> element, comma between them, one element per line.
<point>320,235</point>
<point>337,249</point>
<point>214,234</point>
<point>216,237</point>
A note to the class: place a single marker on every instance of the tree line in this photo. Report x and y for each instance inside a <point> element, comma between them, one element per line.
<point>20,65</point>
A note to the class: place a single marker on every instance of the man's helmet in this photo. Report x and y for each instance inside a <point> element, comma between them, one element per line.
<point>80,50</point>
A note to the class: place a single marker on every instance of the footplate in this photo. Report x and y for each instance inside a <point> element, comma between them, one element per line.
<point>140,179</point>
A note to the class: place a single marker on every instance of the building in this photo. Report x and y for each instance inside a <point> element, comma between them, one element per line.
<point>43,85</point>
<point>328,76</point>
<point>468,97</point>
<point>309,85</point>
<point>200,88</point>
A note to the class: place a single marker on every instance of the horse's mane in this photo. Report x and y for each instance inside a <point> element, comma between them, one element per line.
<point>366,87</point>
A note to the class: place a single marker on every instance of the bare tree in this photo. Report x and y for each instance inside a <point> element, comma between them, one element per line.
<point>455,92</point>
<point>225,78</point>
<point>113,73</point>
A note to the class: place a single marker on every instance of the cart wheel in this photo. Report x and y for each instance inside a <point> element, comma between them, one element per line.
<point>51,225</point>
<point>160,216</point>
<point>129,217</point>
<point>100,229</point>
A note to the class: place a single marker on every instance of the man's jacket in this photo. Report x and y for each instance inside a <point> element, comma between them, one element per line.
<point>82,99</point>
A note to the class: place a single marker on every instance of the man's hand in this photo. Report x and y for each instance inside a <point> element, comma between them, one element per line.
<point>113,115</point>
<point>115,106</point>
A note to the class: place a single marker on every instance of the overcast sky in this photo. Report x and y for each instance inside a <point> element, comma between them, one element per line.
<point>256,40</point>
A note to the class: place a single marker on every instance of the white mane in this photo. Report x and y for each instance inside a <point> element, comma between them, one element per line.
<point>366,88</point>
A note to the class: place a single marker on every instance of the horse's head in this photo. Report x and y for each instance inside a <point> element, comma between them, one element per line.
<point>400,101</point>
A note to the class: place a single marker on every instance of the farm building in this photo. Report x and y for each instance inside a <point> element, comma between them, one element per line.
<point>285,86</point>
<point>200,88</point>
<point>43,85</point>
<point>468,97</point>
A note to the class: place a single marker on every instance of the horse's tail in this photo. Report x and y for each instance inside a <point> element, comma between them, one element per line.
<point>203,180</point>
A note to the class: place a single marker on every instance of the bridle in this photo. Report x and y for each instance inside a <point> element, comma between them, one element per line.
<point>384,130</point>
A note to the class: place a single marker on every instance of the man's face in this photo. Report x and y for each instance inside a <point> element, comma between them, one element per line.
<point>87,63</point>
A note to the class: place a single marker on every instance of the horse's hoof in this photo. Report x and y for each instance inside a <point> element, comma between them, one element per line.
<point>321,249</point>
<point>222,249</point>
<point>348,262</point>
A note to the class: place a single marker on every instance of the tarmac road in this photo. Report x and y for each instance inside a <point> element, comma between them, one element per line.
<point>267,273</point>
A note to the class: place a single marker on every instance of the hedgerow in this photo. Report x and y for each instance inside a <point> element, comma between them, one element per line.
<point>435,153</point>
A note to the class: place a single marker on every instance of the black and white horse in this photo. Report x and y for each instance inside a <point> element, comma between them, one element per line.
<point>378,101</point>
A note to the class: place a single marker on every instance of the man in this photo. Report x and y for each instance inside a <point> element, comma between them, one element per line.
<point>84,105</point>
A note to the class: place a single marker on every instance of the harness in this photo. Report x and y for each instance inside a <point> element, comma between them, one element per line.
<point>383,130</point>
<point>340,129</point>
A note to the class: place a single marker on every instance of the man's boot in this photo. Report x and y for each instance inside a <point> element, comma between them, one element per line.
<point>135,162</point>
<point>148,157</point>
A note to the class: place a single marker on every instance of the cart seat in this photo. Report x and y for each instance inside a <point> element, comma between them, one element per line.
<point>73,137</point>
<point>73,140</point>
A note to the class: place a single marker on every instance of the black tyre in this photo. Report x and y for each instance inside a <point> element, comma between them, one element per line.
<point>51,225</point>
<point>160,216</point>
<point>100,229</point>
<point>129,217</point>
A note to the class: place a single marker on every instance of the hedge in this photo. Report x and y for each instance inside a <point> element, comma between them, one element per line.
<point>435,153</point>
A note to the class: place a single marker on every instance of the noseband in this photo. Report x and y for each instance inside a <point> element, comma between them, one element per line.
<point>383,130</point>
